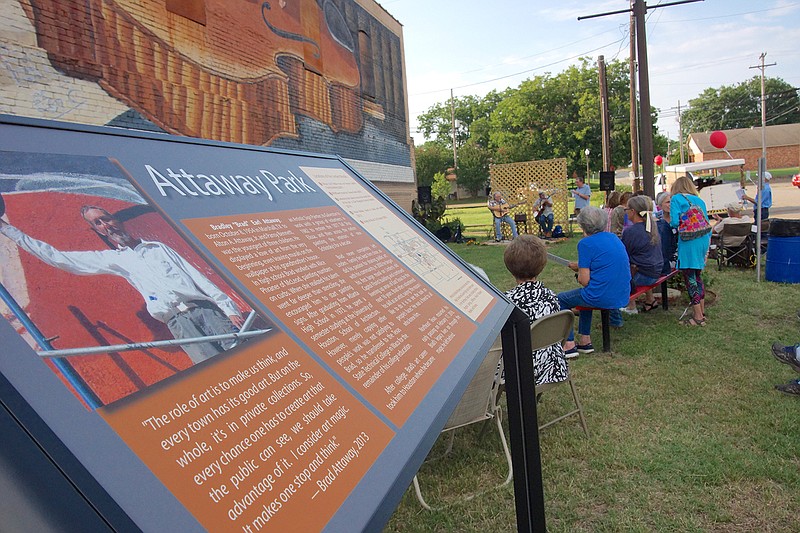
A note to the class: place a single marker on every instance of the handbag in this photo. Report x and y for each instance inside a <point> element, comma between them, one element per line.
<point>693,223</point>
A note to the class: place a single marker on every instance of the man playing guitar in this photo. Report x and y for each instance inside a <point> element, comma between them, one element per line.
<point>544,217</point>
<point>500,208</point>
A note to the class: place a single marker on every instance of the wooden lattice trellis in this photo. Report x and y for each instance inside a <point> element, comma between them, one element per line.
<point>521,182</point>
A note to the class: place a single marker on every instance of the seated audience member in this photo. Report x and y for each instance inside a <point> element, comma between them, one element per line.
<point>788,355</point>
<point>604,275</point>
<point>644,250</point>
<point>525,258</point>
<point>612,201</point>
<point>667,234</point>
<point>619,216</point>
<point>735,216</point>
<point>544,214</point>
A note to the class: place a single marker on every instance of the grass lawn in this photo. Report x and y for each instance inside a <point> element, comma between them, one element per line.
<point>687,433</point>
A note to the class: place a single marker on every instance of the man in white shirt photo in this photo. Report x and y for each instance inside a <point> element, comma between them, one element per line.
<point>173,290</point>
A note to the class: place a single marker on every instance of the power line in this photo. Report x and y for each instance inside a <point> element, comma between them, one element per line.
<point>528,70</point>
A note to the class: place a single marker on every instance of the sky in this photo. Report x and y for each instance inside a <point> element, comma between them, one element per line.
<point>474,47</point>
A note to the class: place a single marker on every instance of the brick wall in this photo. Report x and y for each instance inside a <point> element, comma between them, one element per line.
<point>225,74</point>
<point>777,157</point>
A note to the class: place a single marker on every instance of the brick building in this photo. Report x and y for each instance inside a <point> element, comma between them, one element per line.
<point>318,77</point>
<point>783,146</point>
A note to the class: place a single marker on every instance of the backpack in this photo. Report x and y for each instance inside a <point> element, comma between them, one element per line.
<point>693,223</point>
<point>558,232</point>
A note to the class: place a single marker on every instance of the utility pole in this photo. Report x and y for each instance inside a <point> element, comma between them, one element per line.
<point>453,129</point>
<point>604,118</point>
<point>762,163</point>
<point>646,119</point>
<point>634,117</point>
<point>646,126</point>
<point>680,130</point>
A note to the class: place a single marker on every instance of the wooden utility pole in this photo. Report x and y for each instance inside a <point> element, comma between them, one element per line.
<point>680,130</point>
<point>604,118</point>
<point>645,118</point>
<point>453,127</point>
<point>634,117</point>
<point>646,121</point>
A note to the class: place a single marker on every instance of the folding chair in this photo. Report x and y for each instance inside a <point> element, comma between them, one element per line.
<point>478,404</point>
<point>736,246</point>
<point>549,330</point>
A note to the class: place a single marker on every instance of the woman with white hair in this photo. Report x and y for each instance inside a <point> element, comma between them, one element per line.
<point>604,276</point>
<point>643,245</point>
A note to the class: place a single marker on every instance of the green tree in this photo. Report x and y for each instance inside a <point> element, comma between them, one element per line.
<point>559,116</point>
<point>473,166</point>
<point>432,157</point>
<point>471,115</point>
<point>440,188</point>
<point>739,106</point>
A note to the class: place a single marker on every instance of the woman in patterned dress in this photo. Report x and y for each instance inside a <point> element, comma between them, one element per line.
<point>525,258</point>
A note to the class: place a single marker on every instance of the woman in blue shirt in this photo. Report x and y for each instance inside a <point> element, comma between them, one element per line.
<point>691,253</point>
<point>604,274</point>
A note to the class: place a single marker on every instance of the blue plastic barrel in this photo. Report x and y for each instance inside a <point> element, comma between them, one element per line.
<point>783,253</point>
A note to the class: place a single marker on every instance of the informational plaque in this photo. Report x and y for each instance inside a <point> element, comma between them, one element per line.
<point>228,337</point>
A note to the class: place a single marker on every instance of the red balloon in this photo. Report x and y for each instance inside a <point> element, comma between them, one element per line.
<point>658,160</point>
<point>718,139</point>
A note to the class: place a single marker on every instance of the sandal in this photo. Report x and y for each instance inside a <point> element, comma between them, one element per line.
<point>650,306</point>
<point>692,321</point>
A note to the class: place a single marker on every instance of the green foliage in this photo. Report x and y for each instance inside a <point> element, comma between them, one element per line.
<point>473,166</point>
<point>739,106</point>
<point>440,188</point>
<point>471,116</point>
<point>429,214</point>
<point>545,117</point>
<point>432,157</point>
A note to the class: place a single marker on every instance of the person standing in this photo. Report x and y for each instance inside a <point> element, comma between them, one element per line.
<point>692,252</point>
<point>766,198</point>
<point>582,194</point>
<point>500,208</point>
<point>173,290</point>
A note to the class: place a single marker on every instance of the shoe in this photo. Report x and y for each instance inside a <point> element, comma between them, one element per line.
<point>649,306</point>
<point>584,348</point>
<point>786,355</point>
<point>572,353</point>
<point>628,311</point>
<point>793,388</point>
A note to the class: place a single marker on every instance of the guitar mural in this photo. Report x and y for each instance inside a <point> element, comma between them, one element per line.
<point>240,71</point>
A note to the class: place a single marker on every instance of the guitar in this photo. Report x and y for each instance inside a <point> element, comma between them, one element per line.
<point>543,205</point>
<point>502,210</point>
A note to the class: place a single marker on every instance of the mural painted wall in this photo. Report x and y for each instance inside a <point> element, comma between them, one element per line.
<point>314,75</point>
